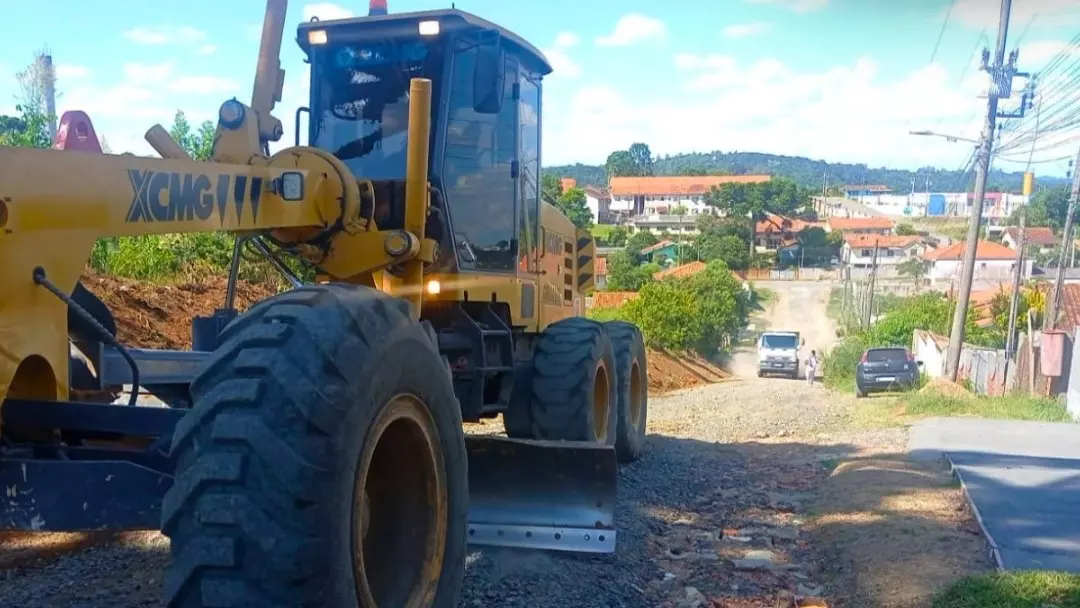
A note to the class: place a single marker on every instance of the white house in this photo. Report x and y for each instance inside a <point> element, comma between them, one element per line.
<point>598,200</point>
<point>660,195</point>
<point>858,252</point>
<point>1037,238</point>
<point>994,264</point>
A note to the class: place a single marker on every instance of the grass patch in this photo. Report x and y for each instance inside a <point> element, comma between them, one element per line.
<point>1011,407</point>
<point>834,308</point>
<point>1028,589</point>
<point>602,232</point>
<point>763,295</point>
<point>177,257</point>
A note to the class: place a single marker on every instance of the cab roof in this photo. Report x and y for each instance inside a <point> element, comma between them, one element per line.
<point>406,24</point>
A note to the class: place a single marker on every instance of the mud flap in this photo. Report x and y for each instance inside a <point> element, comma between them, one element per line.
<point>554,495</point>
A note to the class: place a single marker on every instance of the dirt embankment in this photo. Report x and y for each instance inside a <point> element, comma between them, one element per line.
<point>159,316</point>
<point>673,371</point>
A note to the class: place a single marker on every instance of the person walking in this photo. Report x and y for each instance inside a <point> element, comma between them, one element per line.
<point>811,367</point>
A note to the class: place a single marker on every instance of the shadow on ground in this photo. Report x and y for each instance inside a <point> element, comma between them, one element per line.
<point>741,525</point>
<point>1028,504</point>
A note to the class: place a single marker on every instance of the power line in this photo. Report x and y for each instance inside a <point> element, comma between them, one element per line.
<point>941,33</point>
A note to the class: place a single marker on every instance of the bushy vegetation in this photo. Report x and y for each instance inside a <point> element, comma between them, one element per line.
<point>703,312</point>
<point>930,311</point>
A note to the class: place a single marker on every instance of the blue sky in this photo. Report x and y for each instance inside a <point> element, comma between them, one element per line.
<point>843,80</point>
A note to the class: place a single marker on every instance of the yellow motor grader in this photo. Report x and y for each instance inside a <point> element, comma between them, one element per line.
<point>310,451</point>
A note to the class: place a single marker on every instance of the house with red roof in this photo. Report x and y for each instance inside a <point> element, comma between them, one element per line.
<point>860,225</point>
<point>1037,238</point>
<point>859,250</point>
<point>994,265</point>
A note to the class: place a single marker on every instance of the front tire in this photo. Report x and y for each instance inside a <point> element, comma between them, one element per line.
<point>323,462</point>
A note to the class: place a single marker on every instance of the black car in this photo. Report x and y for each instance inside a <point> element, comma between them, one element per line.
<point>887,369</point>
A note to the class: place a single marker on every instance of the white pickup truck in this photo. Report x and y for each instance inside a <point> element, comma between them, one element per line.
<point>778,353</point>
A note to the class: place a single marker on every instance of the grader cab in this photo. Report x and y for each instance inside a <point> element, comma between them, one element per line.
<point>310,451</point>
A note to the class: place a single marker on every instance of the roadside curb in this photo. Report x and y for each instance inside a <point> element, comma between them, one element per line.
<point>995,552</point>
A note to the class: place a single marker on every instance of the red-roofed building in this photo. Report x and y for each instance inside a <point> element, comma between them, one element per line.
<point>661,194</point>
<point>994,264</point>
<point>860,225</point>
<point>1036,238</point>
<point>600,272</point>
<point>776,231</point>
<point>892,250</point>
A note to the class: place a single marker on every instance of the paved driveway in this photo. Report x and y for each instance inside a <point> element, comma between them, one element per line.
<point>1023,479</point>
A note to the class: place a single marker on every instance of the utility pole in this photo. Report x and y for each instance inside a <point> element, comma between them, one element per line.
<point>1002,75</point>
<point>1014,304</point>
<point>870,287</point>
<point>1066,239</point>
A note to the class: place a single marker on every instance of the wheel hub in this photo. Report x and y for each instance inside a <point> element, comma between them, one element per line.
<point>399,508</point>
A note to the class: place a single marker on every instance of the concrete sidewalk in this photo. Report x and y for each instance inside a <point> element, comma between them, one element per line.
<point>1023,479</point>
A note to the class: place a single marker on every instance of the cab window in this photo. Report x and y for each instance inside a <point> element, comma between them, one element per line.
<point>479,155</point>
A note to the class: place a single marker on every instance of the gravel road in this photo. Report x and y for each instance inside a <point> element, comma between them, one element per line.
<point>710,516</point>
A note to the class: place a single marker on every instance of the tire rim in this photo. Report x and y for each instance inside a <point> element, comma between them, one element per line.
<point>600,403</point>
<point>399,515</point>
<point>637,396</point>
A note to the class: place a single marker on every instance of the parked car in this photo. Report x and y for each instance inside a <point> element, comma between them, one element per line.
<point>886,369</point>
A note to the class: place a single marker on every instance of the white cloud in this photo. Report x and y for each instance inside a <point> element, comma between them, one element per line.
<point>633,29</point>
<point>799,6</point>
<point>67,71</point>
<point>203,85</point>
<point>1035,55</point>
<point>561,62</point>
<point>206,49</point>
<point>159,35</point>
<point>848,113</point>
<point>742,30</point>
<point>148,73</point>
<point>985,13</point>
<point>565,40</point>
<point>326,11</point>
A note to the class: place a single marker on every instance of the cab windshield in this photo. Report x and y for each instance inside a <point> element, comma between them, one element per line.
<point>360,102</point>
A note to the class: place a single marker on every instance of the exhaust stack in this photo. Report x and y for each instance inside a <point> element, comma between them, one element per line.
<point>376,7</point>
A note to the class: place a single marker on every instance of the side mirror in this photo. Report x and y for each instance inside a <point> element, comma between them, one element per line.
<point>488,79</point>
<point>802,341</point>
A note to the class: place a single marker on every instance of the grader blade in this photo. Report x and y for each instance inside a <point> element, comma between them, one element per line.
<point>554,495</point>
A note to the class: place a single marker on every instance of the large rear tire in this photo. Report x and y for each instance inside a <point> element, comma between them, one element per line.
<point>323,462</point>
<point>574,383</point>
<point>632,385</point>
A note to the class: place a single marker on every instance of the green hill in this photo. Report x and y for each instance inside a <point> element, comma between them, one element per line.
<point>809,172</point>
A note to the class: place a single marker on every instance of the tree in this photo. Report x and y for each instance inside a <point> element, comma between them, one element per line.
<point>913,267</point>
<point>550,187</point>
<point>199,144</point>
<point>818,245</point>
<point>642,158</point>
<point>1047,208</point>
<point>619,164</point>
<point>624,274</point>
<point>30,130</point>
<point>906,229</point>
<point>34,82</point>
<point>572,204</point>
<point>638,241</point>
<point>732,250</point>
<point>617,237</point>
